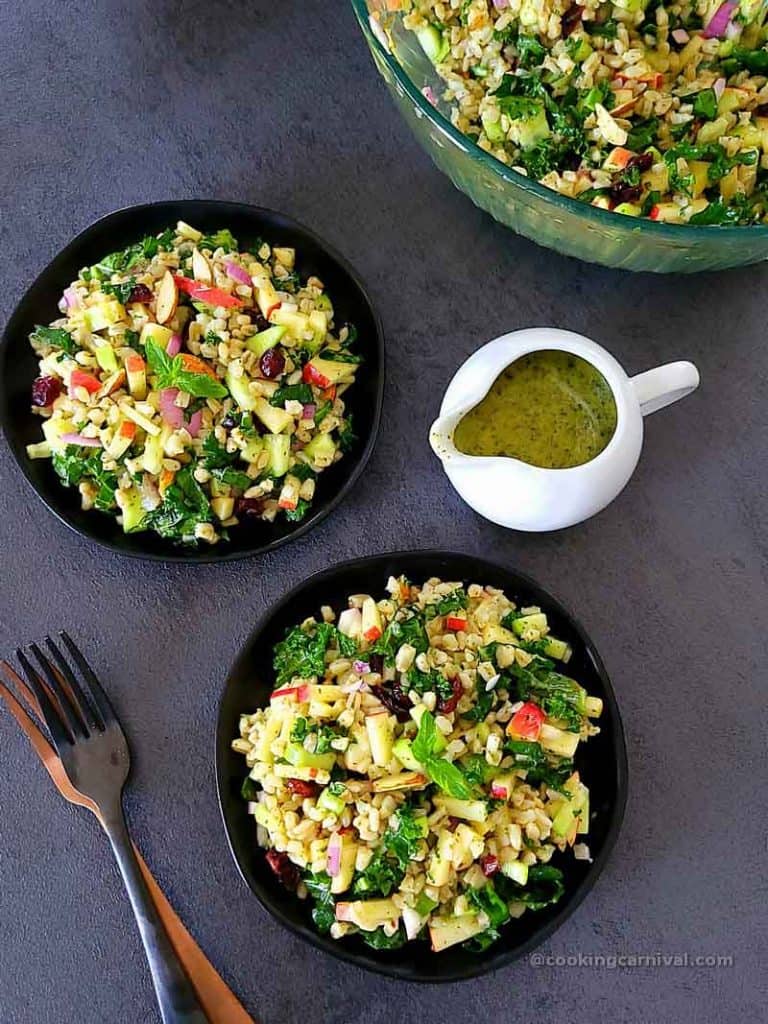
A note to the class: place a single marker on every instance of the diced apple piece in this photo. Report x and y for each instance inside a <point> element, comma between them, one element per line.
<point>325,372</point>
<point>593,707</point>
<point>266,296</point>
<point>201,268</point>
<point>103,314</point>
<point>301,694</point>
<point>502,786</point>
<point>469,810</point>
<point>371,620</point>
<point>274,419</point>
<point>558,741</point>
<point>379,726</point>
<point>326,693</point>
<point>223,507</point>
<point>296,323</point>
<point>157,333</point>
<point>351,623</point>
<point>368,915</point>
<point>448,931</point>
<point>498,635</point>
<point>440,863</point>
<point>513,868</point>
<point>122,439</point>
<point>167,298</point>
<point>136,369</point>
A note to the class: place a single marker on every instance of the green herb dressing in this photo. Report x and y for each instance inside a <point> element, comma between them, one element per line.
<point>550,409</point>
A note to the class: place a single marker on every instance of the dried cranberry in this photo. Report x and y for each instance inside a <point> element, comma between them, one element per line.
<point>302,788</point>
<point>762,110</point>
<point>453,823</point>
<point>643,161</point>
<point>376,661</point>
<point>571,19</point>
<point>272,363</point>
<point>283,867</point>
<point>250,508</point>
<point>45,391</point>
<point>229,422</point>
<point>448,704</point>
<point>259,320</point>
<point>394,699</point>
<point>140,293</point>
<point>489,864</point>
<point>621,193</point>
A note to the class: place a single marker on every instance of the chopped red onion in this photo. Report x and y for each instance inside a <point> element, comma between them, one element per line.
<point>195,422</point>
<point>333,863</point>
<point>71,297</point>
<point>500,4</point>
<point>719,88</point>
<point>680,35</point>
<point>429,95</point>
<point>361,667</point>
<point>718,23</point>
<point>87,442</point>
<point>174,345</point>
<point>236,272</point>
<point>170,412</point>
<point>309,410</point>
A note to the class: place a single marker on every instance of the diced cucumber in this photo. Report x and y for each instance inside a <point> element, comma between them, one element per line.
<point>516,870</point>
<point>556,648</point>
<point>321,450</point>
<point>424,905</point>
<point>491,120</point>
<point>253,448</point>
<point>265,340</point>
<point>41,450</point>
<point>402,751</point>
<point>279,448</point>
<point>323,302</point>
<point>468,810</point>
<point>528,131</point>
<point>537,621</point>
<point>132,510</point>
<point>296,755</point>
<point>434,43</point>
<point>238,388</point>
<point>152,459</point>
<point>448,931</point>
<point>328,802</point>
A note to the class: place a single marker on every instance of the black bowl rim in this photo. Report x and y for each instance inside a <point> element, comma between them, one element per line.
<point>502,957</point>
<point>202,556</point>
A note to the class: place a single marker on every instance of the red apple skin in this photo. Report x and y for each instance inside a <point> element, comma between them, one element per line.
<point>311,375</point>
<point>499,792</point>
<point>455,624</point>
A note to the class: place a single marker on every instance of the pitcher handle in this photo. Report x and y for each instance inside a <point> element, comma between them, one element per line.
<point>664,385</point>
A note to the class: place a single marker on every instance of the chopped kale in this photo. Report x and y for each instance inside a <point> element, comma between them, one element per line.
<point>56,337</point>
<point>122,291</point>
<point>292,393</point>
<point>324,909</point>
<point>295,515</point>
<point>378,939</point>
<point>184,507</point>
<point>223,239</point>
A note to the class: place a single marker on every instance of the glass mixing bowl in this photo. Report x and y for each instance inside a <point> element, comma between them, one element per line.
<point>560,223</point>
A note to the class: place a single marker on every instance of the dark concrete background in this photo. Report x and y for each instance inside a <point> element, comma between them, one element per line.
<point>107,104</point>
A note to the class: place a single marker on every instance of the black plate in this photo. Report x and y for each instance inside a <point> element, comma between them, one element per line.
<point>602,761</point>
<point>18,368</point>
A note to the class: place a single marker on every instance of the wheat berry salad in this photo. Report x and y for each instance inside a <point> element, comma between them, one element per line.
<point>649,108</point>
<point>413,774</point>
<point>191,385</point>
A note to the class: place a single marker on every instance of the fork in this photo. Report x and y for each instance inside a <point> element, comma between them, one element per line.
<point>93,750</point>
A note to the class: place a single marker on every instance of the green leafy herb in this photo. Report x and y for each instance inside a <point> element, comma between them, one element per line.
<point>378,939</point>
<point>223,239</point>
<point>131,339</point>
<point>288,282</point>
<point>643,134</point>
<point>380,878</point>
<point>300,730</point>
<point>170,373</point>
<point>292,393</point>
<point>482,706</point>
<point>530,52</point>
<point>488,902</point>
<point>520,108</point>
<point>544,887</point>
<point>233,478</point>
<point>347,435</point>
<point>434,681</point>
<point>249,789</point>
<point>606,29</point>
<point>456,601</point>
<point>302,653</point>
<point>559,696</point>
<point>443,773</point>
<point>125,259</point>
<point>406,628</point>
<point>399,845</point>
<point>56,337</point>
<point>184,507</point>
<point>215,455</point>
<point>705,104</point>
<point>476,770</point>
<point>295,515</point>
<point>75,464</point>
<point>122,291</point>
<point>324,910</point>
<point>552,772</point>
<point>322,412</point>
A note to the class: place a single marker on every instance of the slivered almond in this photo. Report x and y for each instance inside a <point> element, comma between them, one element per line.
<point>167,298</point>
<point>201,268</point>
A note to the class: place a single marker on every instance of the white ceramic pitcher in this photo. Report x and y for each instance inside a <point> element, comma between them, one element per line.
<point>524,497</point>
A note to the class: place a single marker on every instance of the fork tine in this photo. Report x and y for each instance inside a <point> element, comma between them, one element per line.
<point>88,714</point>
<point>68,707</point>
<point>55,724</point>
<point>100,698</point>
<point>27,695</point>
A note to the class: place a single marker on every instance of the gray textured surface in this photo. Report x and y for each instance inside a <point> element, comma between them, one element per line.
<point>109,104</point>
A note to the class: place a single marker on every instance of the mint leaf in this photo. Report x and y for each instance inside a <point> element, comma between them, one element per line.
<point>448,777</point>
<point>170,373</point>
<point>423,746</point>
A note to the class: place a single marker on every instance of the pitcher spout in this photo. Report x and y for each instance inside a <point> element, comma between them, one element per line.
<point>441,436</point>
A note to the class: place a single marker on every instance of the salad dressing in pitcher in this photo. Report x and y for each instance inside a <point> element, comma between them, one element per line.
<point>548,408</point>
